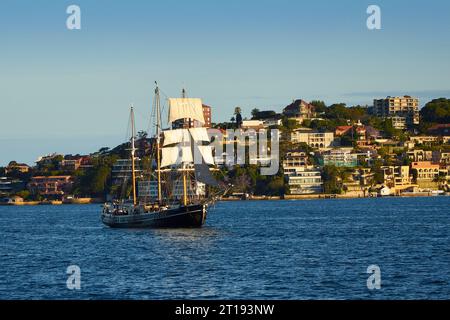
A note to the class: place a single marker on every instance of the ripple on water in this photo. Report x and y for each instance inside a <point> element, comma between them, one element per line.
<point>255,250</point>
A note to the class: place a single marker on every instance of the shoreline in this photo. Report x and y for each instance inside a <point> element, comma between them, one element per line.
<point>330,197</point>
<point>232,199</point>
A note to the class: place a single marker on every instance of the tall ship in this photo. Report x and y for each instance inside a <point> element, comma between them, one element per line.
<point>180,164</point>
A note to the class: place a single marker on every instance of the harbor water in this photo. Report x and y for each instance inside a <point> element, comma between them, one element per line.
<point>318,249</point>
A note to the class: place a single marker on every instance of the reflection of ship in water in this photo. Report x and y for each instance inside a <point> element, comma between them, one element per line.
<point>176,187</point>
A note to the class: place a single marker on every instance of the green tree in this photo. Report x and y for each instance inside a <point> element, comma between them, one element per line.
<point>255,113</point>
<point>436,111</point>
<point>238,116</point>
<point>319,106</point>
<point>24,194</point>
<point>276,186</point>
<point>331,177</point>
<point>290,124</point>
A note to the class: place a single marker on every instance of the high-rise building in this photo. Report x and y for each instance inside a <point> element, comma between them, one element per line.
<point>398,107</point>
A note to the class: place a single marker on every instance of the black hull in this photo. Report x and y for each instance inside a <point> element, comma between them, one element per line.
<point>193,216</point>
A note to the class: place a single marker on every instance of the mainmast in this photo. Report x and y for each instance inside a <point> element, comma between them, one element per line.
<point>133,153</point>
<point>158,139</point>
<point>185,196</point>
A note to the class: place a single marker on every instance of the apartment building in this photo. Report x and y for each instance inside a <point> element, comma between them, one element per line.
<point>294,162</point>
<point>341,157</point>
<point>306,181</point>
<point>320,140</point>
<point>398,107</point>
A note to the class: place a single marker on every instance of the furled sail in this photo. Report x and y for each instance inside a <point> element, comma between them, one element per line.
<point>182,136</point>
<point>185,108</point>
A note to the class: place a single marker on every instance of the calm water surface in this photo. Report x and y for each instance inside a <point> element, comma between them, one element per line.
<point>248,250</point>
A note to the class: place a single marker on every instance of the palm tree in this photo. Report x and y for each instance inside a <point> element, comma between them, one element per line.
<point>238,118</point>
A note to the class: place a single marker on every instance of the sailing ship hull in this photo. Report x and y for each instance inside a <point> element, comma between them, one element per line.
<point>192,216</point>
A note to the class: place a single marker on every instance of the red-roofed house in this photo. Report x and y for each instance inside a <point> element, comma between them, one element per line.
<point>440,129</point>
<point>342,130</point>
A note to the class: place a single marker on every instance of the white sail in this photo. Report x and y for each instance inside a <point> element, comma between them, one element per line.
<point>176,136</point>
<point>176,155</point>
<point>206,153</point>
<point>169,156</point>
<point>185,108</point>
<point>179,154</point>
<point>199,134</point>
<point>182,136</point>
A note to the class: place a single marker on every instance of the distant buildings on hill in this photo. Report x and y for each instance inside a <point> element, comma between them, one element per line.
<point>403,111</point>
<point>354,148</point>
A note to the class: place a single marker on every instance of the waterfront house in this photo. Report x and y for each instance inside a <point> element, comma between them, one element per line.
<point>397,177</point>
<point>14,200</point>
<point>426,170</point>
<point>306,180</point>
<point>52,187</point>
<point>9,186</point>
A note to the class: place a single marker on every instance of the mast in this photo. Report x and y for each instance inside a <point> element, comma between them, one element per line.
<point>158,140</point>
<point>185,201</point>
<point>133,152</point>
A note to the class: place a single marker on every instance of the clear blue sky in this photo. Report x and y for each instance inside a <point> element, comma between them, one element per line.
<point>69,91</point>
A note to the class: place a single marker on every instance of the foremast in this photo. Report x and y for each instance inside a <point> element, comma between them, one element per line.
<point>133,156</point>
<point>158,140</point>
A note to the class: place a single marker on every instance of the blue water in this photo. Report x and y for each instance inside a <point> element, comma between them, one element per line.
<point>248,250</point>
